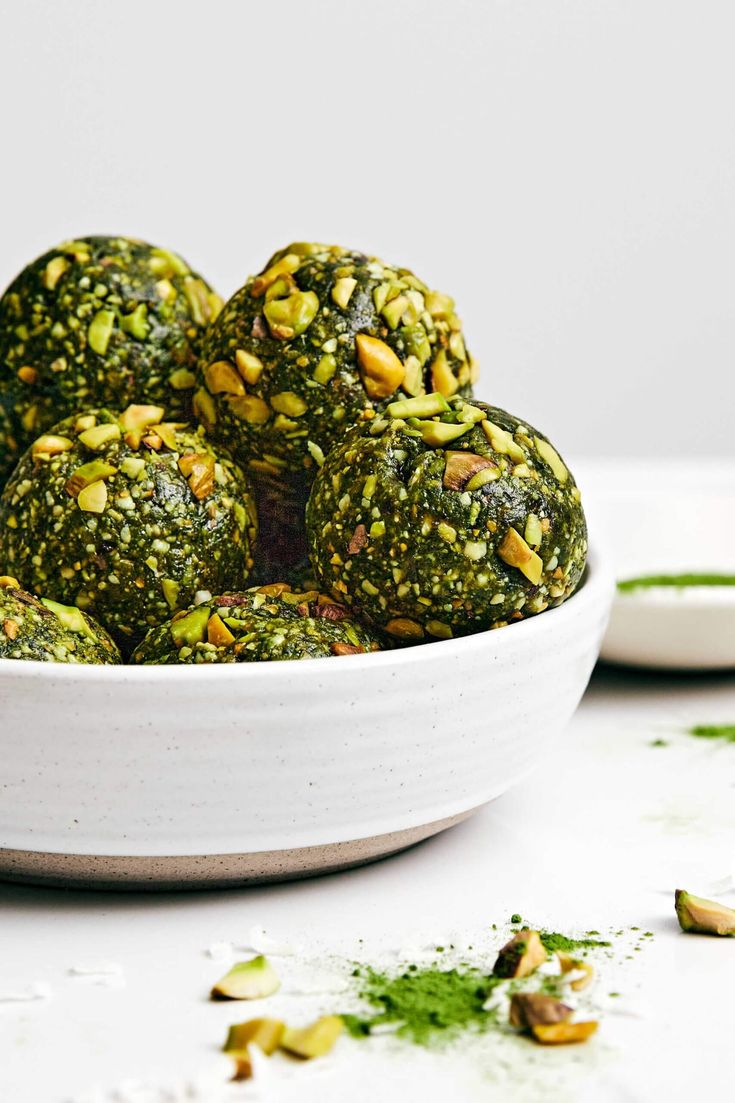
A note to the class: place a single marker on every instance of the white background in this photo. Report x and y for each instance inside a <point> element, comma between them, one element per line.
<point>564,169</point>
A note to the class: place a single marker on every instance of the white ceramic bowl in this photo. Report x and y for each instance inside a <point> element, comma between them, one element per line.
<point>673,517</point>
<point>184,776</point>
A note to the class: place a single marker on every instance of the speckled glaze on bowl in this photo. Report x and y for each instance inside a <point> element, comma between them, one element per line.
<point>161,777</point>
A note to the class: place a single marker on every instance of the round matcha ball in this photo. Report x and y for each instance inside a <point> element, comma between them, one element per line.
<point>127,516</point>
<point>36,628</point>
<point>319,340</point>
<point>440,519</point>
<point>258,625</point>
<point>102,321</point>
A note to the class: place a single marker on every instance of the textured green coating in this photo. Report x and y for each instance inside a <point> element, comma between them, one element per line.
<point>102,321</point>
<point>280,399</point>
<point>419,558</point>
<point>31,630</point>
<point>160,537</point>
<point>265,624</point>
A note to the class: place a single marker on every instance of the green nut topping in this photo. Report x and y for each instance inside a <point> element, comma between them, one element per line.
<point>191,629</point>
<point>290,317</point>
<point>100,331</point>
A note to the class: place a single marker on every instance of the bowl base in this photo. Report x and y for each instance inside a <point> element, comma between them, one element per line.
<point>160,873</point>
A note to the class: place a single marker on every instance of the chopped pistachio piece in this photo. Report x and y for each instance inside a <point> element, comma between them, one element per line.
<point>286,265</point>
<point>315,1040</point>
<point>171,590</point>
<point>442,377</point>
<point>99,436</point>
<point>521,956</point>
<point>342,291</point>
<point>266,1034</point>
<point>502,441</point>
<point>100,331</point>
<point>551,456</point>
<point>249,366</point>
<point>292,316</point>
<point>27,374</point>
<point>564,1033</point>
<point>136,323</point>
<point>394,310</point>
<point>93,498</point>
<point>71,617</point>
<point>53,272</point>
<point>288,403</point>
<point>514,551</point>
<point>325,369</point>
<point>471,413</point>
<point>190,629</point>
<point>51,445</point>
<point>218,633</point>
<point>438,433</point>
<point>533,532</point>
<point>699,916</point>
<point>487,475</point>
<point>460,468</point>
<point>404,629</point>
<point>222,378</point>
<point>167,264</point>
<point>529,1009</point>
<point>196,295</point>
<point>382,372</point>
<point>182,379</point>
<point>413,378</point>
<point>247,980</point>
<point>87,474</point>
<point>438,305</point>
<point>140,417</point>
<point>250,408</point>
<point>423,406</point>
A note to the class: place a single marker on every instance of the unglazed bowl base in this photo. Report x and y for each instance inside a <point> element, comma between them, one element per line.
<point>194,871</point>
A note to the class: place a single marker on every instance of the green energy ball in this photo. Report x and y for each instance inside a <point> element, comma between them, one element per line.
<point>441,519</point>
<point>316,342</point>
<point>320,340</point>
<point>33,628</point>
<point>103,321</point>
<point>257,625</point>
<point>127,516</point>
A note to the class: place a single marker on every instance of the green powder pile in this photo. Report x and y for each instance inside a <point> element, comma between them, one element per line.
<point>714,731</point>
<point>427,1004</point>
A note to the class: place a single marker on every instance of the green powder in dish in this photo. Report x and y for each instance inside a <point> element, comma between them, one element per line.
<point>676,581</point>
<point>714,731</point>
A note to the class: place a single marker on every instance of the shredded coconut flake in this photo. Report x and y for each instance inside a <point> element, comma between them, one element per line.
<point>262,943</point>
<point>38,990</point>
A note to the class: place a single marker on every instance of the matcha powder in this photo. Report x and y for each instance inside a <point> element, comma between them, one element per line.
<point>428,1005</point>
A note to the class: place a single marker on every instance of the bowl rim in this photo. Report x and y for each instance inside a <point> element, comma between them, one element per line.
<point>597,581</point>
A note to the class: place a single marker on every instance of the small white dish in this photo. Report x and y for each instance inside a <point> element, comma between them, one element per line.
<point>177,777</point>
<point>667,517</point>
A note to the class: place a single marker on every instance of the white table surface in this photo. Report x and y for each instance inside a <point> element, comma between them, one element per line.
<point>598,838</point>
